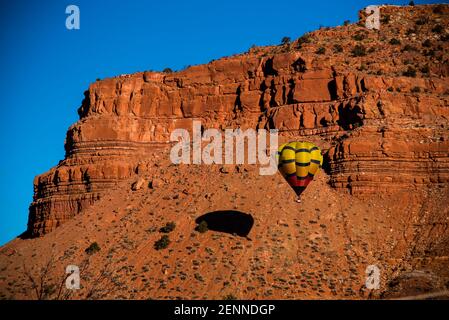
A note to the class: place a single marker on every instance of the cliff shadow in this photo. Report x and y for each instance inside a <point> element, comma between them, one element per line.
<point>350,117</point>
<point>228,221</point>
<point>326,167</point>
<point>25,235</point>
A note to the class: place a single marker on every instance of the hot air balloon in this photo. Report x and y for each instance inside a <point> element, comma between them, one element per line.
<point>298,162</point>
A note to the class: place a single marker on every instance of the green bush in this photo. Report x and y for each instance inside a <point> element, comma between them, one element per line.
<point>304,39</point>
<point>410,31</point>
<point>202,227</point>
<point>425,69</point>
<point>359,36</point>
<point>427,43</point>
<point>416,89</point>
<point>93,248</point>
<point>285,40</point>
<point>408,47</point>
<point>320,50</point>
<point>438,9</point>
<point>359,51</point>
<point>198,277</point>
<point>422,21</point>
<point>169,227</point>
<point>438,28</point>
<point>229,297</point>
<point>338,48</point>
<point>410,72</point>
<point>162,243</point>
<point>395,41</point>
<point>429,53</point>
<point>385,19</point>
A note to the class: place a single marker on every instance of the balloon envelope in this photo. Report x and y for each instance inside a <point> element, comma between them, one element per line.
<point>298,162</point>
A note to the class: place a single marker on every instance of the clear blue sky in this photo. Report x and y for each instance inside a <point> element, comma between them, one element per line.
<point>45,68</point>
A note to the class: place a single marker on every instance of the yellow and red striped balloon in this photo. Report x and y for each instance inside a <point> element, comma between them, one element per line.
<point>298,162</point>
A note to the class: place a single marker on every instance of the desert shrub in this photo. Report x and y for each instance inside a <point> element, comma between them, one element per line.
<point>151,229</point>
<point>390,89</point>
<point>202,227</point>
<point>304,39</point>
<point>416,89</point>
<point>408,47</point>
<point>385,18</point>
<point>346,23</point>
<point>49,289</point>
<point>92,248</point>
<point>411,31</point>
<point>169,227</point>
<point>445,37</point>
<point>338,48</point>
<point>162,243</point>
<point>408,61</point>
<point>229,297</point>
<point>320,50</point>
<point>410,72</point>
<point>422,21</point>
<point>427,43</point>
<point>167,70</point>
<point>438,28</point>
<point>425,69</point>
<point>395,41</point>
<point>358,51</point>
<point>198,277</point>
<point>252,48</point>
<point>429,53</point>
<point>411,3</point>
<point>285,40</point>
<point>359,36</point>
<point>438,9</point>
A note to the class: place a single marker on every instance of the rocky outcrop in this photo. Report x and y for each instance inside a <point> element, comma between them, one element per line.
<point>382,128</point>
<point>401,143</point>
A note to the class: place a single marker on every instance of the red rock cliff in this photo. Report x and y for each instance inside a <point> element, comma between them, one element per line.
<point>379,108</point>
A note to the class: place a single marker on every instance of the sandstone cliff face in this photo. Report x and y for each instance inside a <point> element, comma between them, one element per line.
<point>381,112</point>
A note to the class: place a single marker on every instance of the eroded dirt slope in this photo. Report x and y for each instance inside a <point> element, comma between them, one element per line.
<point>317,249</point>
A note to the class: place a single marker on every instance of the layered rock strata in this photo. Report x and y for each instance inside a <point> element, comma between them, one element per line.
<point>382,129</point>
